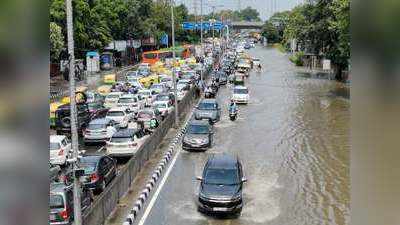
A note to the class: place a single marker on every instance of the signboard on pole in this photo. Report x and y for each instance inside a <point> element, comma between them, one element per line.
<point>326,64</point>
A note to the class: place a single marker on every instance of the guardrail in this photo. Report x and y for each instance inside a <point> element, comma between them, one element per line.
<point>98,212</point>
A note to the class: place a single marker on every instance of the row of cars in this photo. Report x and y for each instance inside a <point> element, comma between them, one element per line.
<point>123,119</point>
<point>221,183</point>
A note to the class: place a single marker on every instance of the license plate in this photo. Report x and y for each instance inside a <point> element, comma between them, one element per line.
<point>220,209</point>
<point>52,217</point>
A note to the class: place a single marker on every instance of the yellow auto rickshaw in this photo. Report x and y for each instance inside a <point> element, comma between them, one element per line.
<point>110,78</point>
<point>53,108</point>
<point>104,90</point>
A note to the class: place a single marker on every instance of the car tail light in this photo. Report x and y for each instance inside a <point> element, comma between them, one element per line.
<point>64,214</point>
<point>61,152</point>
<point>94,177</point>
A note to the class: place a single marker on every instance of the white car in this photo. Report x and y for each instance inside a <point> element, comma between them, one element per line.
<point>163,107</point>
<point>111,99</point>
<point>60,148</point>
<point>121,115</point>
<point>240,94</point>
<point>146,96</point>
<point>125,143</point>
<point>130,101</point>
<point>100,130</point>
<point>167,80</point>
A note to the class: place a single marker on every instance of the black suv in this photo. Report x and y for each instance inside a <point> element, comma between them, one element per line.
<point>221,185</point>
<point>63,118</point>
<point>99,171</point>
<point>61,203</point>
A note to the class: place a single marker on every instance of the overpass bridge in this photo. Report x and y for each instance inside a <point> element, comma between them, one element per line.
<point>242,25</point>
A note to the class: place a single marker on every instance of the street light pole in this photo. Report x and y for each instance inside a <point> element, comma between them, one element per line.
<point>173,64</point>
<point>73,114</point>
<point>201,37</point>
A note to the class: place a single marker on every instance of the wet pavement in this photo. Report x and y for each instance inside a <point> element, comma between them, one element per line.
<point>293,140</point>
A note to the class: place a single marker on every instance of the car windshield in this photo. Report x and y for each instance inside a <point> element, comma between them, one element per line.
<point>127,100</point>
<point>54,146</point>
<point>56,201</point>
<point>96,126</point>
<point>93,106</point>
<point>198,129</point>
<point>115,113</point>
<point>146,93</point>
<point>240,91</point>
<point>207,106</point>
<point>166,79</point>
<point>121,139</point>
<point>221,177</point>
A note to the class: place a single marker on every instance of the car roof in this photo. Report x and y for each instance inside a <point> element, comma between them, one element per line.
<point>57,138</point>
<point>117,109</point>
<point>199,122</point>
<point>125,133</point>
<point>208,100</point>
<point>128,96</point>
<point>103,120</point>
<point>58,187</point>
<point>115,92</point>
<point>224,160</point>
<point>240,87</point>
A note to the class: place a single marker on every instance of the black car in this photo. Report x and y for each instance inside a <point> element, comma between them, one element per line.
<point>61,203</point>
<point>221,185</point>
<point>222,77</point>
<point>99,171</point>
<point>63,120</point>
<point>208,109</point>
<point>198,136</point>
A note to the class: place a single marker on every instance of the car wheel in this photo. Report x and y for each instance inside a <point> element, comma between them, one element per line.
<point>66,122</point>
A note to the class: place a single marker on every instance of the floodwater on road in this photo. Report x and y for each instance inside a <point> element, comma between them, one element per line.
<point>293,140</point>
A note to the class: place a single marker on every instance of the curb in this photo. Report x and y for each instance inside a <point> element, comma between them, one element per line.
<point>151,183</point>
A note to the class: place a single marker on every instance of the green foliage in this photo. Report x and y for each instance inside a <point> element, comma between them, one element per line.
<point>56,41</point>
<point>321,27</point>
<point>270,32</point>
<point>247,14</point>
<point>296,58</point>
<point>250,14</point>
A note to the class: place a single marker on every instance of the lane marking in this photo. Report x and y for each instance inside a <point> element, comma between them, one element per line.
<point>159,188</point>
<point>166,175</point>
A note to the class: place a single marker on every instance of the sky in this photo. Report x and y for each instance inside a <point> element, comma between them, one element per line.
<point>265,7</point>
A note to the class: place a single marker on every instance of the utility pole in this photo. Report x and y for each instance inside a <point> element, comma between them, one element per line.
<point>173,64</point>
<point>74,131</point>
<point>201,37</point>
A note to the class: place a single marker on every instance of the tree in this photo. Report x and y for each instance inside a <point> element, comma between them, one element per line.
<point>56,41</point>
<point>270,32</point>
<point>250,14</point>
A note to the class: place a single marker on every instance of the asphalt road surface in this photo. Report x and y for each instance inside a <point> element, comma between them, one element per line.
<point>293,140</point>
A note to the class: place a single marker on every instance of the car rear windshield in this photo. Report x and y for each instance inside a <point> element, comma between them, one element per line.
<point>54,146</point>
<point>127,100</point>
<point>95,126</point>
<point>121,139</point>
<point>115,113</point>
<point>113,96</point>
<point>56,201</point>
<point>145,115</point>
<point>240,91</point>
<point>162,98</point>
<point>207,106</point>
<point>88,167</point>
<point>221,177</point>
<point>198,129</point>
<point>163,106</point>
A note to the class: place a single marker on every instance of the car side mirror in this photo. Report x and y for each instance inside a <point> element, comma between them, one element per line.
<point>199,178</point>
<point>244,179</point>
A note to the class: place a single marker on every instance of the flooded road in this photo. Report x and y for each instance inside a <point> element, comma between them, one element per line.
<point>293,140</point>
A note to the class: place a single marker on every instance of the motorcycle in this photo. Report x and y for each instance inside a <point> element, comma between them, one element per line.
<point>232,115</point>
